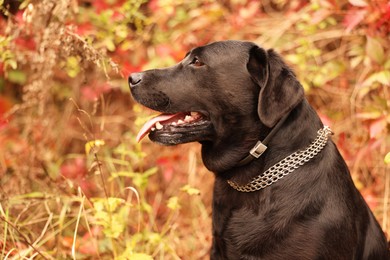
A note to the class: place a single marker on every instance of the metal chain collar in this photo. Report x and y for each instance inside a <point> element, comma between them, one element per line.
<point>287,165</point>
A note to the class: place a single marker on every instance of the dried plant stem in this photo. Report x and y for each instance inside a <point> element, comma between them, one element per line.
<point>77,224</point>
<point>25,239</point>
<point>134,190</point>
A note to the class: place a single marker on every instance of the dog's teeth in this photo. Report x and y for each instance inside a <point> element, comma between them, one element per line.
<point>180,122</point>
<point>195,115</point>
<point>174,123</point>
<point>188,119</point>
<point>153,129</point>
<point>159,126</point>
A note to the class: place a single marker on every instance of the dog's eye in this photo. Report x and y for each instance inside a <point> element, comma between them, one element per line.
<point>196,62</point>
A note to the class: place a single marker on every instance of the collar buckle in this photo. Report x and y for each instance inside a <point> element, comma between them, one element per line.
<point>258,149</point>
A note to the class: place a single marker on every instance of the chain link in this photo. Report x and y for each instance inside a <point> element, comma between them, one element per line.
<point>287,165</point>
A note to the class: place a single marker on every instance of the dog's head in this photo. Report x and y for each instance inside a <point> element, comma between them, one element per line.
<point>223,92</point>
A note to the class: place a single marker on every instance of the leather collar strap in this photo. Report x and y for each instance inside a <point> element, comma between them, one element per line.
<point>261,146</point>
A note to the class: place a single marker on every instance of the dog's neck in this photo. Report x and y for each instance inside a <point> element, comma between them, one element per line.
<point>223,162</point>
<point>261,146</point>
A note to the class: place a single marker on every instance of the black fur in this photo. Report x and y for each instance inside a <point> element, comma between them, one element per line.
<point>243,90</point>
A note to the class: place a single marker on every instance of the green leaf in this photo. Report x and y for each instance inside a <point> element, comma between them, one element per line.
<point>387,65</point>
<point>146,207</point>
<point>122,174</point>
<point>150,171</point>
<point>374,50</point>
<point>154,238</point>
<point>382,77</point>
<point>72,66</point>
<point>107,204</point>
<point>113,203</point>
<point>110,45</point>
<point>12,63</point>
<point>32,195</point>
<point>17,76</point>
<point>53,170</point>
<point>374,81</point>
<point>112,214</point>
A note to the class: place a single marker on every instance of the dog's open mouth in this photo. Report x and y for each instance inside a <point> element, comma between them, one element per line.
<point>176,128</point>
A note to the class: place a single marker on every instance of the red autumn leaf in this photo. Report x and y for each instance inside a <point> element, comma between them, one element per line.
<point>166,50</point>
<point>87,186</point>
<point>3,25</point>
<point>88,245</point>
<point>168,173</point>
<point>325,119</point>
<point>163,50</point>
<point>128,68</point>
<point>179,55</point>
<point>3,123</point>
<point>384,20</point>
<point>163,160</point>
<point>84,28</point>
<point>93,91</point>
<point>154,6</point>
<point>26,43</point>
<point>74,169</point>
<point>19,18</point>
<point>5,105</point>
<point>370,199</point>
<point>377,127</point>
<point>102,5</point>
<point>117,16</point>
<point>166,165</point>
<point>342,145</point>
<point>353,18</point>
<point>67,241</point>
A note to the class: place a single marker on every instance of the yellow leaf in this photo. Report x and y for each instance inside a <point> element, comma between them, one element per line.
<point>191,191</point>
<point>387,158</point>
<point>173,203</point>
<point>93,146</point>
<point>140,256</point>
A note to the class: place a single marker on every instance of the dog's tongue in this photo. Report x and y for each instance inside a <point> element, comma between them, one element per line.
<point>148,125</point>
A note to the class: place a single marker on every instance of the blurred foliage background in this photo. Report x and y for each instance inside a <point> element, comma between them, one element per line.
<point>73,182</point>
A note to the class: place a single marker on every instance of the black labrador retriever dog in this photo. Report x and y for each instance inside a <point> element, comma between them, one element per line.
<point>282,189</point>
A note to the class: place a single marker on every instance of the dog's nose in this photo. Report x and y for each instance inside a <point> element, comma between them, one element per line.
<point>134,79</point>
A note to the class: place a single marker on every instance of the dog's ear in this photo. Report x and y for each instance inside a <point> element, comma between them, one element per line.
<point>280,91</point>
